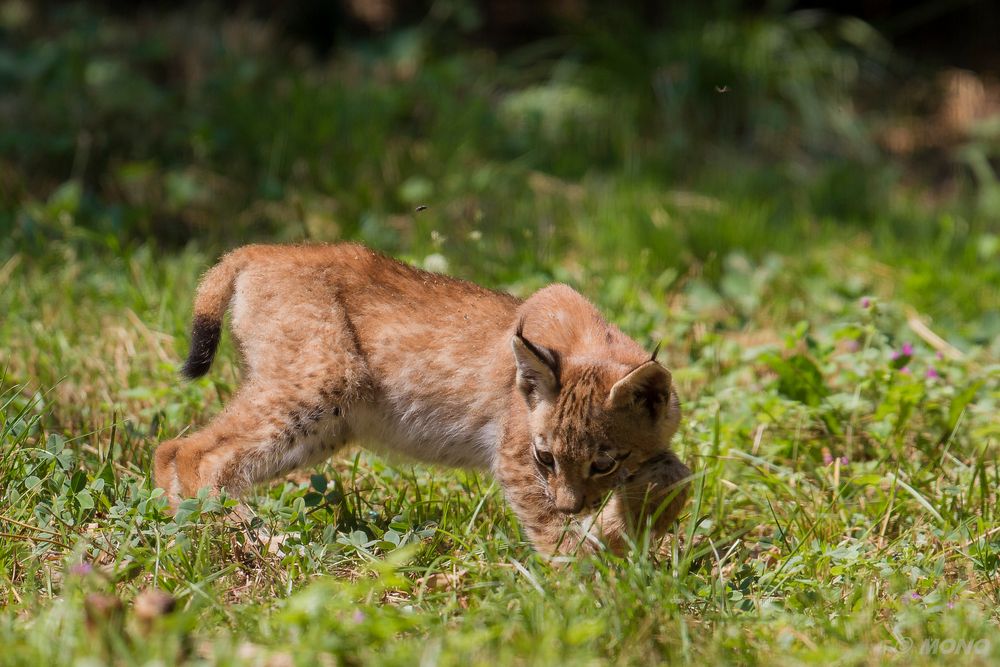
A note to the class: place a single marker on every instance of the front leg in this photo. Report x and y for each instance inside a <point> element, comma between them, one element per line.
<point>654,492</point>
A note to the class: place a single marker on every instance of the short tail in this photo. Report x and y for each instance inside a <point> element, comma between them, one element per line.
<point>210,303</point>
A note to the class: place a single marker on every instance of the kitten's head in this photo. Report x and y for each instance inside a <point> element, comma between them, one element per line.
<point>592,423</point>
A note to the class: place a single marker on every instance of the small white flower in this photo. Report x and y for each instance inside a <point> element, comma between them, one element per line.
<point>436,263</point>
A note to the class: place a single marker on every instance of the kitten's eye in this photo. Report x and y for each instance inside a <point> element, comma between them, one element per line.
<point>603,465</point>
<point>545,458</point>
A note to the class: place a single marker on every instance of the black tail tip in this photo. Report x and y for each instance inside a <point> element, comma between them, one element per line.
<point>205,335</point>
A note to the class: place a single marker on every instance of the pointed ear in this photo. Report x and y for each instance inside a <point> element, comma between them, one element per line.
<point>537,371</point>
<point>646,387</point>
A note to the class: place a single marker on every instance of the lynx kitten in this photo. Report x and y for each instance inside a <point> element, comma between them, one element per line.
<point>341,344</point>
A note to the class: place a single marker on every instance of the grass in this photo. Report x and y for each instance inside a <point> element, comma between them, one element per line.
<point>845,507</point>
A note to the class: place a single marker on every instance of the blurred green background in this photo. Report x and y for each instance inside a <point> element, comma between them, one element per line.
<point>535,133</point>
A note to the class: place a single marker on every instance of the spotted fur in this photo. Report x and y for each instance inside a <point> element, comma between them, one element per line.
<point>342,345</point>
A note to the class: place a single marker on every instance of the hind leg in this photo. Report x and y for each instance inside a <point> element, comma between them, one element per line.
<point>290,413</point>
<point>259,436</point>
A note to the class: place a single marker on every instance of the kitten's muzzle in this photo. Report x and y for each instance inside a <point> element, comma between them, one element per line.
<point>571,509</point>
<point>569,503</point>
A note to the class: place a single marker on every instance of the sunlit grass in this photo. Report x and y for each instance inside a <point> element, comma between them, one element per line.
<point>826,520</point>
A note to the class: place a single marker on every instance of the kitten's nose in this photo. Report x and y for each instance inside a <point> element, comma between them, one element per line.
<point>569,503</point>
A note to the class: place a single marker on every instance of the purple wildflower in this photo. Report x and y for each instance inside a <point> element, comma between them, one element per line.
<point>905,352</point>
<point>827,457</point>
<point>932,373</point>
<point>866,302</point>
<point>843,460</point>
<point>905,370</point>
<point>359,616</point>
<point>81,569</point>
<point>915,596</point>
